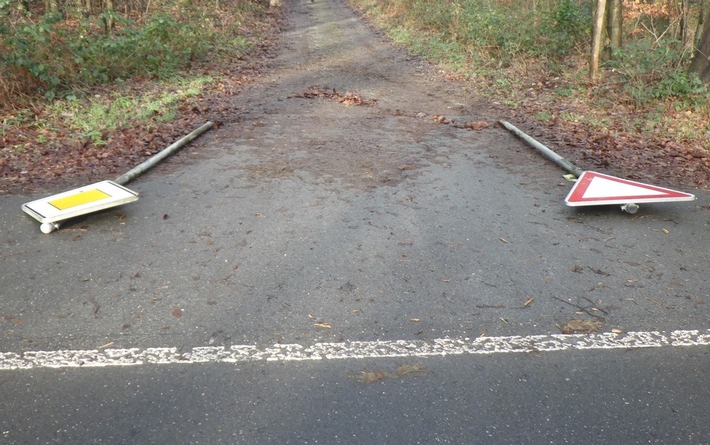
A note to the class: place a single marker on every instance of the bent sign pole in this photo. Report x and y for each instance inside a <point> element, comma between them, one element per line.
<point>153,161</point>
<point>549,154</point>
<point>592,188</point>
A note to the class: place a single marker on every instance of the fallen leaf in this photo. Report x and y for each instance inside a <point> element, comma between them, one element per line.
<point>323,325</point>
<point>415,369</point>
<point>176,313</point>
<point>370,376</point>
<point>349,98</point>
<point>579,326</point>
<point>476,125</point>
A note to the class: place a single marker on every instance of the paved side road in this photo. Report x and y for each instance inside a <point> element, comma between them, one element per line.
<point>348,263</point>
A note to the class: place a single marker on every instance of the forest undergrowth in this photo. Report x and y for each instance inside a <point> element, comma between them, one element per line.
<point>87,94</point>
<point>646,117</point>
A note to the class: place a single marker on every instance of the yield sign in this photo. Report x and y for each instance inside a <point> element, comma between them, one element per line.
<point>594,188</point>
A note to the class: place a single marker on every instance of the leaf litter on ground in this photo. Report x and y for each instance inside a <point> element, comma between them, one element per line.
<point>36,157</point>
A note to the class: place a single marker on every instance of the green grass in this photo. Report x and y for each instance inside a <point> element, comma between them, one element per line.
<point>95,115</point>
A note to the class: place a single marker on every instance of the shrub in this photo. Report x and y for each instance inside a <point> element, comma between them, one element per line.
<point>653,69</point>
<point>568,26</point>
<point>59,56</point>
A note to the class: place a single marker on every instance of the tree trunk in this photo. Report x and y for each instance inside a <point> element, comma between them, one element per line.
<point>701,59</point>
<point>704,16</point>
<point>615,24</point>
<point>683,8</point>
<point>50,6</point>
<point>108,16</point>
<point>597,33</point>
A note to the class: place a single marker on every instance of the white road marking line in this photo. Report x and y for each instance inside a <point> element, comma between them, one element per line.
<point>349,350</point>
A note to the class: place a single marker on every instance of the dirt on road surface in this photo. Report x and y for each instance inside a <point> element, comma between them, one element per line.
<point>354,100</point>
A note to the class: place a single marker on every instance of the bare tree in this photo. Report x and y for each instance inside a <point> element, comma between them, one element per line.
<point>597,34</point>
<point>615,24</point>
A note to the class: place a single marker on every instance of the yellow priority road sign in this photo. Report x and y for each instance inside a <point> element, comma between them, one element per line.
<point>88,199</point>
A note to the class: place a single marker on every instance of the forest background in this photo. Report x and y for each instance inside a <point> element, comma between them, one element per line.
<point>88,87</point>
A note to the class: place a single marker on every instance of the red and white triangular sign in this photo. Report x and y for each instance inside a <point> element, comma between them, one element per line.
<point>594,188</point>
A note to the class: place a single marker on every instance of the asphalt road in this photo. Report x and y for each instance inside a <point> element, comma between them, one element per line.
<point>334,268</point>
